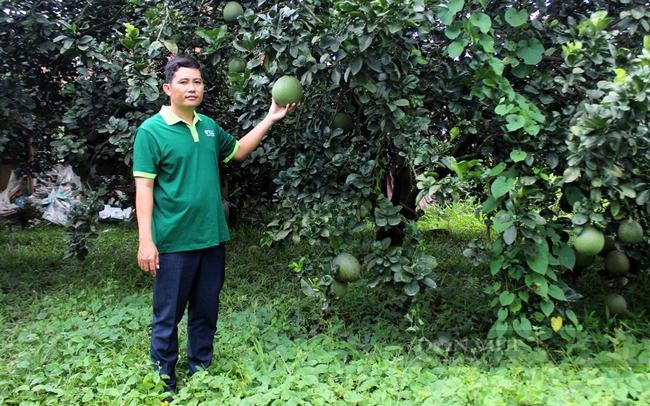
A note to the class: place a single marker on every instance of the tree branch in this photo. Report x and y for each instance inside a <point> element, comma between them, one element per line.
<point>302,3</point>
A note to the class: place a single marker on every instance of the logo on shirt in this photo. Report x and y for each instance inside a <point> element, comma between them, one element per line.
<point>209,133</point>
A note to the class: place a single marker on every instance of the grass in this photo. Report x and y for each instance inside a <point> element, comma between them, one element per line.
<point>77,333</point>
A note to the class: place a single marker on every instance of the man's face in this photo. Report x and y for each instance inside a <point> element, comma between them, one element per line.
<point>186,89</point>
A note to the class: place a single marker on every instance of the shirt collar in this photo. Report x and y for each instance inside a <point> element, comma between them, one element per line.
<point>171,118</point>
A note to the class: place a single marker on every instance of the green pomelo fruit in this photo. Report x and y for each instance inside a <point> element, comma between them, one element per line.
<point>608,247</point>
<point>590,241</point>
<point>338,289</point>
<point>287,90</point>
<point>630,232</point>
<point>646,42</point>
<point>615,303</point>
<point>582,260</point>
<point>236,66</point>
<point>617,263</point>
<point>343,121</point>
<point>231,11</point>
<point>349,268</point>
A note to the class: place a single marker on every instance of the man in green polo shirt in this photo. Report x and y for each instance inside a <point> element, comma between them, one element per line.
<point>181,223</point>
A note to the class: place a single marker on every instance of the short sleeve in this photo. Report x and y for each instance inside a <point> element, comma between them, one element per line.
<point>227,144</point>
<point>146,155</point>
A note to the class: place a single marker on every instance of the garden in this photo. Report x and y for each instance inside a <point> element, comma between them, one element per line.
<point>484,162</point>
<point>77,332</point>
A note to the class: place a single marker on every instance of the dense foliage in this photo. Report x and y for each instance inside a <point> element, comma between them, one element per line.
<point>516,102</point>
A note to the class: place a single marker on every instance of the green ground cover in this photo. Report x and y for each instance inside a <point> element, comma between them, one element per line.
<point>77,333</point>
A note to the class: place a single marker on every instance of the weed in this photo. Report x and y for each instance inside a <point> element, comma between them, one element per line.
<point>77,332</point>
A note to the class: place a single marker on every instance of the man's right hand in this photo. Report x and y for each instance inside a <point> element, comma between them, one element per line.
<point>148,257</point>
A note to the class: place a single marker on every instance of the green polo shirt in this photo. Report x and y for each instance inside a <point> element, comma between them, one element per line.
<point>183,159</point>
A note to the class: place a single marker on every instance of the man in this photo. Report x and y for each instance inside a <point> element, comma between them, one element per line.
<point>181,223</point>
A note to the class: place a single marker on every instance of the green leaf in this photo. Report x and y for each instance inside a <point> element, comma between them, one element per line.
<point>537,283</point>
<point>572,316</point>
<point>490,204</point>
<point>517,156</point>
<point>487,42</point>
<point>531,51</point>
<point>516,18</point>
<point>356,65</point>
<point>565,255</point>
<point>498,330</point>
<point>539,263</point>
<point>456,48</point>
<point>506,298</point>
<point>127,43</point>
<point>627,190</point>
<point>364,42</point>
<point>495,265</point>
<point>335,76</point>
<point>171,46</point>
<point>547,307</point>
<point>88,397</point>
<point>427,281</point>
<point>502,221</point>
<point>503,109</point>
<point>498,169</point>
<point>453,31</point>
<point>570,174</point>
<point>412,288</point>
<point>522,70</point>
<point>307,289</point>
<point>281,235</point>
<point>556,292</point>
<point>510,235</point>
<point>515,122</point>
<point>482,21</point>
<point>454,132</point>
<point>354,397</point>
<point>393,28</point>
<point>456,5</point>
<point>497,66</point>
<point>501,186</point>
<point>523,327</point>
<point>445,15</point>
<point>115,320</point>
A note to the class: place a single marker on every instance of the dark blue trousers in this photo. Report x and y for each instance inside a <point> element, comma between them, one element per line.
<point>193,279</point>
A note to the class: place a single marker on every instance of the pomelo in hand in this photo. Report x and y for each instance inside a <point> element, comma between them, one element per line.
<point>349,269</point>
<point>287,90</point>
<point>630,232</point>
<point>590,241</point>
<point>231,11</point>
<point>615,303</point>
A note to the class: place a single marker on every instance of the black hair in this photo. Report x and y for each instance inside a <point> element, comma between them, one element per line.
<point>180,61</point>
